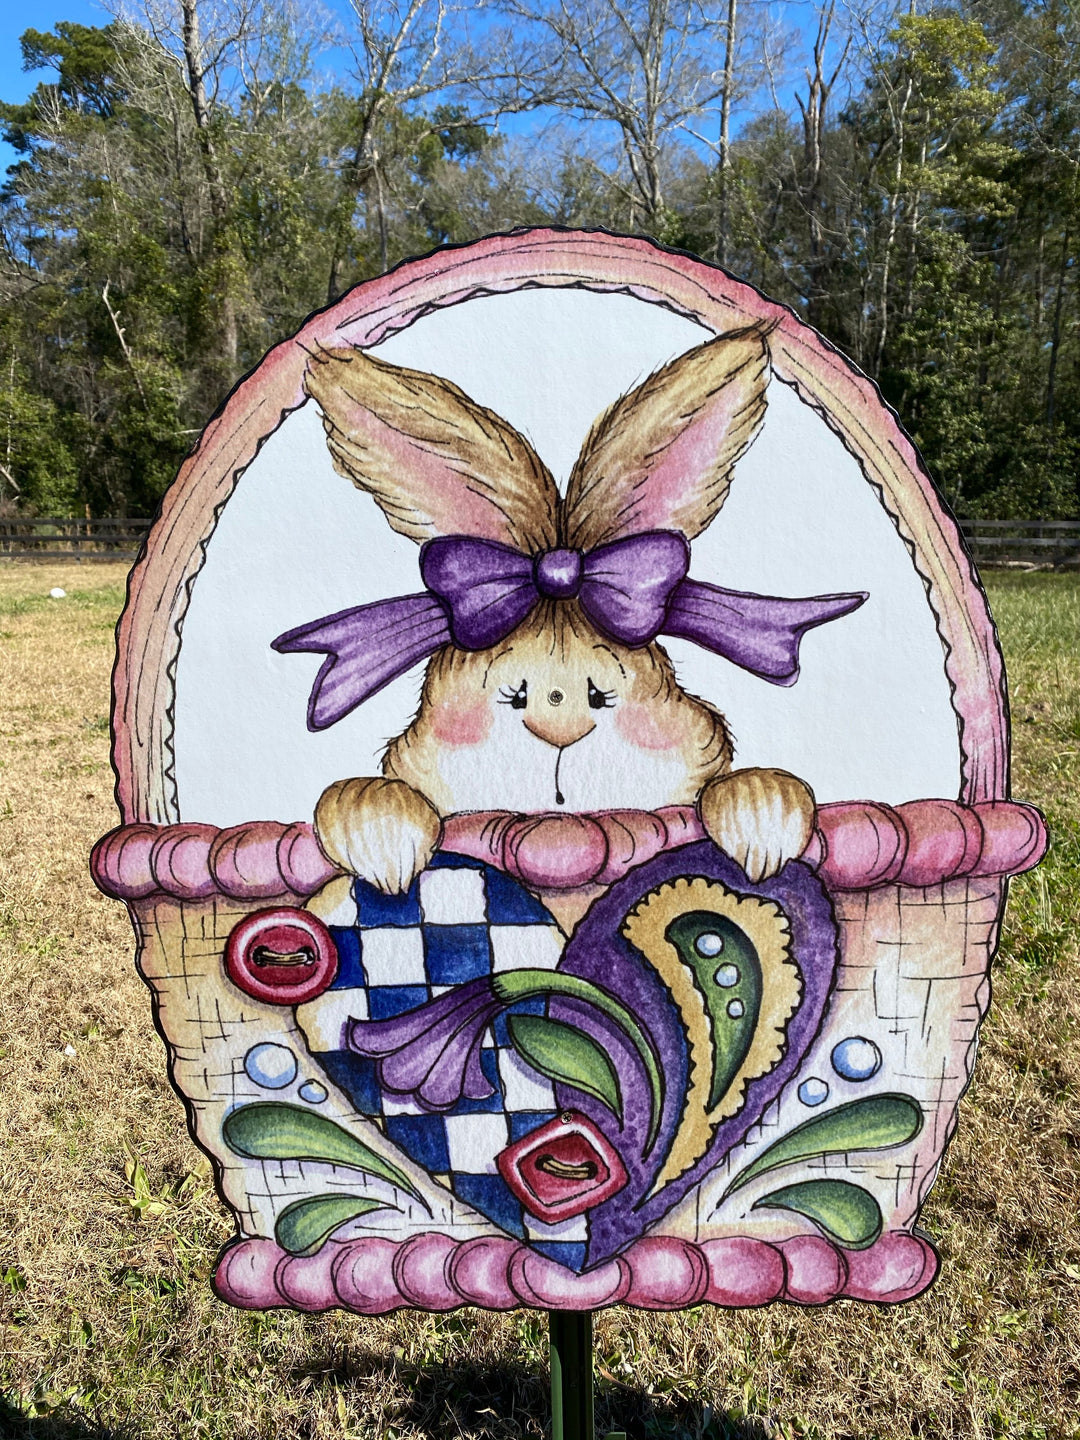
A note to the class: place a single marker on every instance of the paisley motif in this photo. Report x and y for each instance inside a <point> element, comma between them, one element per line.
<point>726,959</point>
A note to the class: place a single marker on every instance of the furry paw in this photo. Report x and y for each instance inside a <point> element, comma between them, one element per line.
<point>382,830</point>
<point>761,818</point>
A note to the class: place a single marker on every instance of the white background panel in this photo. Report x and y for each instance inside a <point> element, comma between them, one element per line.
<point>869,718</point>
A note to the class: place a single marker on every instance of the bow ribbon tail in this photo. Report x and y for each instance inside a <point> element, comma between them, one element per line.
<point>366,648</point>
<point>759,633</point>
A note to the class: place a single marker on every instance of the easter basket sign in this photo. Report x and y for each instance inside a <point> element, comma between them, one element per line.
<point>562,751</point>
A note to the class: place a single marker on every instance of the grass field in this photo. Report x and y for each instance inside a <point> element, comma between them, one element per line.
<point>108,1226</point>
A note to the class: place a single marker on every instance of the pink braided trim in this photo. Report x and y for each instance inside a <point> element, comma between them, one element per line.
<point>434,1272</point>
<point>857,845</point>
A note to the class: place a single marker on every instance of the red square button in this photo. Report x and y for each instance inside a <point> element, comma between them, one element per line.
<point>563,1168</point>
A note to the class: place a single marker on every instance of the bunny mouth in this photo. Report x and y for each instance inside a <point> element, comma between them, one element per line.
<point>545,735</point>
<point>560,798</point>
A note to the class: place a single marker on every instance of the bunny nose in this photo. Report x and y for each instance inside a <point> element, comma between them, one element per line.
<point>559,729</point>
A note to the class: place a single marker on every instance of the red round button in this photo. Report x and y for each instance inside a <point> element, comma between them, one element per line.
<point>281,955</point>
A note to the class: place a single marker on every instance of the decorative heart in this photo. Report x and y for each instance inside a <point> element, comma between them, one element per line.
<point>573,1095</point>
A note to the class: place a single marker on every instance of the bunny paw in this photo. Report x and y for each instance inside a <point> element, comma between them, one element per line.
<point>761,818</point>
<point>382,830</point>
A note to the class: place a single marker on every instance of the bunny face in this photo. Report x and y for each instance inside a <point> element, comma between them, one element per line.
<point>558,718</point>
<point>555,714</point>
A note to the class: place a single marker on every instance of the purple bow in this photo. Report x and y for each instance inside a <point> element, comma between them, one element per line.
<point>478,591</point>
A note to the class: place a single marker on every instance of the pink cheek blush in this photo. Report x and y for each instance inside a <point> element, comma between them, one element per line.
<point>457,725</point>
<point>640,725</point>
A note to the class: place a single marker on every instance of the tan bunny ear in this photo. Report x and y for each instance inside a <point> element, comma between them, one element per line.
<point>435,461</point>
<point>661,457</point>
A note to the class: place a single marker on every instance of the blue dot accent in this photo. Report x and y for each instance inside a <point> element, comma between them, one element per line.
<point>856,1058</point>
<point>813,1091</point>
<point>271,1066</point>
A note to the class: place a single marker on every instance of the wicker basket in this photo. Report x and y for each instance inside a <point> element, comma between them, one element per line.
<point>916,892</point>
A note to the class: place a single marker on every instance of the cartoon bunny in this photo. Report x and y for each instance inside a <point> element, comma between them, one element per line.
<point>547,690</point>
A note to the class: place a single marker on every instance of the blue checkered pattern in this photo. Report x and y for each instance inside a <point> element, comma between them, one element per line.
<point>460,920</point>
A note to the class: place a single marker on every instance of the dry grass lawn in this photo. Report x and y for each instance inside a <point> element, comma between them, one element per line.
<point>108,1227</point>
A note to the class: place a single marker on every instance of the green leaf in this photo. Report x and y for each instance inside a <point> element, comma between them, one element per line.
<point>15,1280</point>
<point>566,1056</point>
<point>270,1130</point>
<point>303,1226</point>
<point>514,985</point>
<point>874,1123</point>
<point>847,1213</point>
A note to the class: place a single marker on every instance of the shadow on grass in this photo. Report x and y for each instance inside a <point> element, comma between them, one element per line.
<point>15,1424</point>
<point>500,1402</point>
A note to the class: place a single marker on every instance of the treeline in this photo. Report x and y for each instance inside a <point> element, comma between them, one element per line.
<point>192,181</point>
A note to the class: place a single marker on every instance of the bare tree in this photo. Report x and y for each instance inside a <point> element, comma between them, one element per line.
<point>400,58</point>
<point>756,45</point>
<point>724,167</point>
<point>821,78</point>
<point>642,68</point>
<point>207,42</point>
<point>406,53</point>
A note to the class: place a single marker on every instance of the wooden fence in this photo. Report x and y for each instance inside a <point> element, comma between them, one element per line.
<point>1041,542</point>
<point>54,538</point>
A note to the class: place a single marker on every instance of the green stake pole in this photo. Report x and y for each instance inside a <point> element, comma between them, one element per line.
<point>571,1375</point>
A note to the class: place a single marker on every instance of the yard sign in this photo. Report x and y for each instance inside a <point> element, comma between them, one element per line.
<point>562,751</point>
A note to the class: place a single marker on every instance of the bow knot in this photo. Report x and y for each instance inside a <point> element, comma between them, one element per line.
<point>557,574</point>
<point>479,592</point>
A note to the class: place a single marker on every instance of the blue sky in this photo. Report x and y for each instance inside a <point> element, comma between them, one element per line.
<point>18,15</point>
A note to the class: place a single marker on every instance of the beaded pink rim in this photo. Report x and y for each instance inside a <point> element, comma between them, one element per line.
<point>371,1276</point>
<point>856,846</point>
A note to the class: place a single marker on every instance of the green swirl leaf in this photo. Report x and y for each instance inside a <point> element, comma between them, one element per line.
<point>566,1056</point>
<point>271,1130</point>
<point>873,1123</point>
<point>847,1213</point>
<point>514,985</point>
<point>304,1226</point>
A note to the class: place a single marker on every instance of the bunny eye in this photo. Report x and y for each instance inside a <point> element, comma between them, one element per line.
<point>516,699</point>
<point>600,699</point>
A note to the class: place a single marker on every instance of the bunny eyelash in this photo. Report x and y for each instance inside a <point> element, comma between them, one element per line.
<point>600,699</point>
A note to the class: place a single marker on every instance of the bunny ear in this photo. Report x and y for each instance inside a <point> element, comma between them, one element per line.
<point>435,461</point>
<point>661,457</point>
